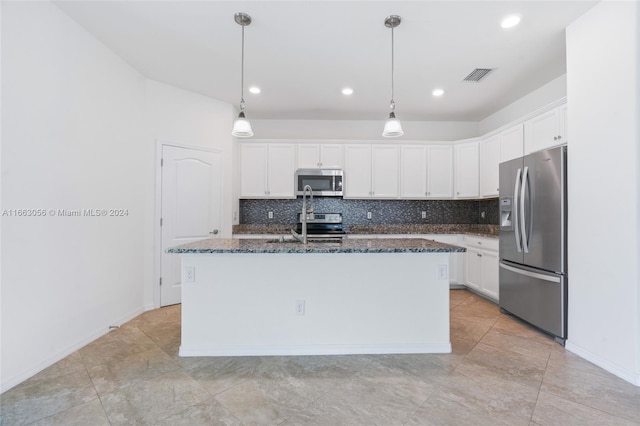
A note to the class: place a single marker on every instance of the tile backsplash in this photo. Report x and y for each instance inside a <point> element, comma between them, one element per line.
<point>382,211</point>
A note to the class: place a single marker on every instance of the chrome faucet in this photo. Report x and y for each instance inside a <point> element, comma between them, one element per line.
<point>307,213</point>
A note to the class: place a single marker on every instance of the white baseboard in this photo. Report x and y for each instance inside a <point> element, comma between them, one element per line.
<point>21,377</point>
<point>425,348</point>
<point>623,373</point>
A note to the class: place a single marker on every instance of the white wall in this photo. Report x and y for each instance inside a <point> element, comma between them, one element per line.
<point>539,98</point>
<point>180,117</point>
<point>362,129</point>
<point>79,131</point>
<point>603,74</point>
<point>71,116</point>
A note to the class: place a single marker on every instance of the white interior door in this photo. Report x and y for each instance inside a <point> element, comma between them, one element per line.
<point>191,208</point>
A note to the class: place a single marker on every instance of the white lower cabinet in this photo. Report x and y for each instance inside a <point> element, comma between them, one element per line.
<point>481,265</point>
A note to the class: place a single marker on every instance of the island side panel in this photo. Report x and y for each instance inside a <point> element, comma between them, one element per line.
<point>245,304</point>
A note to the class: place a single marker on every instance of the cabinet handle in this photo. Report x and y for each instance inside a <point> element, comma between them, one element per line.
<point>479,255</point>
<point>559,137</point>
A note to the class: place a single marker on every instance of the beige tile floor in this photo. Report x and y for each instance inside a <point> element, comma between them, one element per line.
<point>500,372</point>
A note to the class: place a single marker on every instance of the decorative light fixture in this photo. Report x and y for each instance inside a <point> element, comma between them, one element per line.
<point>392,127</point>
<point>241,126</point>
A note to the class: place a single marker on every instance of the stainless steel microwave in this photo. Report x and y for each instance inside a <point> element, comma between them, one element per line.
<point>323,182</point>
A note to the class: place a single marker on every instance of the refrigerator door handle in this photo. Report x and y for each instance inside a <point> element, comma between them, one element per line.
<point>530,274</point>
<point>523,223</point>
<point>516,226</point>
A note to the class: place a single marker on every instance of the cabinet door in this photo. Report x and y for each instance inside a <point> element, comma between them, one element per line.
<point>490,273</point>
<point>489,166</point>
<point>281,170</point>
<point>473,268</point>
<point>562,117</point>
<point>253,170</point>
<point>357,171</point>
<point>413,171</point>
<point>331,156</point>
<point>512,143</point>
<point>542,131</point>
<point>308,156</point>
<point>384,171</point>
<point>440,171</point>
<point>466,170</point>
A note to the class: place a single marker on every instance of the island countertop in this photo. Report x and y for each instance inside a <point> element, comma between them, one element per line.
<point>364,245</point>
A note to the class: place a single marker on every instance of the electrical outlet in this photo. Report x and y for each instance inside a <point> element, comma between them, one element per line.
<point>300,307</point>
<point>368,215</point>
<point>443,272</point>
<point>189,274</point>
<point>424,214</point>
<point>270,215</point>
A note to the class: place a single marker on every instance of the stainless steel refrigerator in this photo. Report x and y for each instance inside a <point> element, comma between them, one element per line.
<point>533,240</point>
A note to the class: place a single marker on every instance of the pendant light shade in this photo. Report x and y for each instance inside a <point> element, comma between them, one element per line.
<point>241,126</point>
<point>392,127</point>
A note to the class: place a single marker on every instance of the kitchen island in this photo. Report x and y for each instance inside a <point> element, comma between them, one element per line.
<point>279,297</point>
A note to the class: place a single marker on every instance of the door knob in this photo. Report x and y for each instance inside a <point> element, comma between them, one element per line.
<point>214,232</point>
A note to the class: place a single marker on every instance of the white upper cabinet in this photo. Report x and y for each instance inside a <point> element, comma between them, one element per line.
<point>440,172</point>
<point>253,170</point>
<point>314,156</point>
<point>371,171</point>
<point>413,171</point>
<point>512,143</point>
<point>489,165</point>
<point>267,170</point>
<point>357,171</point>
<point>466,170</point>
<point>384,171</point>
<point>545,130</point>
<point>426,171</point>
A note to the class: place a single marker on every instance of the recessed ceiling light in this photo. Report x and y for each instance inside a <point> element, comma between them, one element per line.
<point>437,92</point>
<point>254,89</point>
<point>510,21</point>
<point>347,91</point>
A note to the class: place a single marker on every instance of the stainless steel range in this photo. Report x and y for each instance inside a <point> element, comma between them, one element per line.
<point>322,225</point>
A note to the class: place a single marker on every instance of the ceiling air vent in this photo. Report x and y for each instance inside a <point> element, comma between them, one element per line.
<point>477,74</point>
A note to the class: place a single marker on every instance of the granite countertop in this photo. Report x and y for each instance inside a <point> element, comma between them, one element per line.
<point>489,231</point>
<point>364,245</point>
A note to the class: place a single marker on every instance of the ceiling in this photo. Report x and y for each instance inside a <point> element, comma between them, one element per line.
<point>302,54</point>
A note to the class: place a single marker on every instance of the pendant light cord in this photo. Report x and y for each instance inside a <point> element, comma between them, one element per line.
<point>242,74</point>
<point>393,103</point>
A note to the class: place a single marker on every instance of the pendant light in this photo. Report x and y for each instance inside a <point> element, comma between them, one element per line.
<point>241,126</point>
<point>392,127</point>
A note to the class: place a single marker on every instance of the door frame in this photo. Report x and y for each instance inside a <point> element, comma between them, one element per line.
<point>157,246</point>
